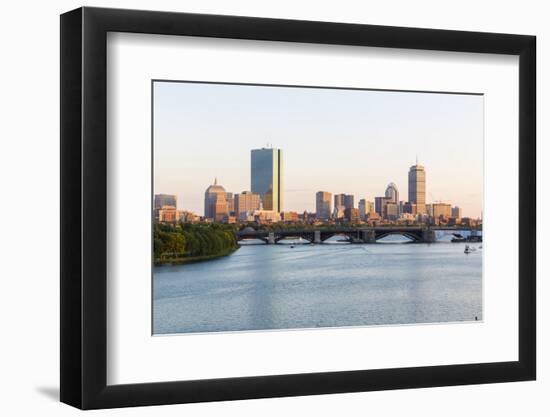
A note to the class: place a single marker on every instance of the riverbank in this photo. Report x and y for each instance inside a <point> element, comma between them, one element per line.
<point>194,259</point>
<point>187,243</point>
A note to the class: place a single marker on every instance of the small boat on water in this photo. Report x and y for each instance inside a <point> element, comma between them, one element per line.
<point>458,238</point>
<point>469,249</point>
<point>291,246</point>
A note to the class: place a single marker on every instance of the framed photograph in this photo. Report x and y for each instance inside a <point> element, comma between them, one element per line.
<point>257,208</point>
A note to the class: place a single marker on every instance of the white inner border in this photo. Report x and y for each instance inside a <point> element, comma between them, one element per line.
<point>134,356</point>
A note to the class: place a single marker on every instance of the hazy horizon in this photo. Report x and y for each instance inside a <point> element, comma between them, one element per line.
<point>336,140</point>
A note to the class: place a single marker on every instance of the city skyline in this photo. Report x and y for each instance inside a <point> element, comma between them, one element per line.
<point>337,168</point>
<point>264,205</point>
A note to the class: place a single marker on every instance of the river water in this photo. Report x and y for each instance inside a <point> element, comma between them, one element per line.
<point>262,287</point>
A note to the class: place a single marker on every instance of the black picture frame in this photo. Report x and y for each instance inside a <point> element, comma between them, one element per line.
<point>84,207</point>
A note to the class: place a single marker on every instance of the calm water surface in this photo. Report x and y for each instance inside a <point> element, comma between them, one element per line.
<point>263,287</point>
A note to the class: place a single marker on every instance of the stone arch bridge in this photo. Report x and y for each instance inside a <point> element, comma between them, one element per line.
<point>351,234</point>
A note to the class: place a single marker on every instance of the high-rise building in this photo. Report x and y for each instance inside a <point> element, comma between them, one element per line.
<point>349,202</point>
<point>162,200</point>
<point>322,205</point>
<point>365,208</point>
<point>456,212</point>
<point>266,177</point>
<point>215,202</point>
<point>230,203</point>
<point>417,187</point>
<point>369,207</point>
<point>246,203</point>
<point>379,205</point>
<point>343,201</point>
<point>362,206</point>
<point>339,201</point>
<point>392,193</point>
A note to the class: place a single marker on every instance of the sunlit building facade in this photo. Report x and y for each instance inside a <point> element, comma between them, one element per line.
<point>167,214</point>
<point>441,210</point>
<point>391,210</point>
<point>322,205</point>
<point>417,188</point>
<point>267,216</point>
<point>246,203</point>
<point>339,201</point>
<point>215,202</point>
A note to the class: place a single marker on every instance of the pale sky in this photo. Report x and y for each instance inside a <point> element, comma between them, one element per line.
<point>335,140</point>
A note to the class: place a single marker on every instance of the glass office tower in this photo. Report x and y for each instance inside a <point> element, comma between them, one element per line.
<point>266,168</point>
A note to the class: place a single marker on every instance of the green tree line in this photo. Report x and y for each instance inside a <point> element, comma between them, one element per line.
<point>187,242</point>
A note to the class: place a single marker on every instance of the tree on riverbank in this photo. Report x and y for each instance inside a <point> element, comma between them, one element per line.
<point>187,242</point>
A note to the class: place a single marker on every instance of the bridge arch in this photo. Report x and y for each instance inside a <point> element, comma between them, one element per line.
<point>329,235</point>
<point>297,237</point>
<point>412,236</point>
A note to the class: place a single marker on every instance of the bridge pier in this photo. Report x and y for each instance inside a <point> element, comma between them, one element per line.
<point>368,236</point>
<point>317,236</point>
<point>428,236</point>
<point>271,238</point>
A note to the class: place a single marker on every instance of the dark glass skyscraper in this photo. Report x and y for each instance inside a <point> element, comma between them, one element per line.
<point>349,201</point>
<point>266,172</point>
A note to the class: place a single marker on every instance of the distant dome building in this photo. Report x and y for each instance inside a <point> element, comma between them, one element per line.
<point>215,202</point>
